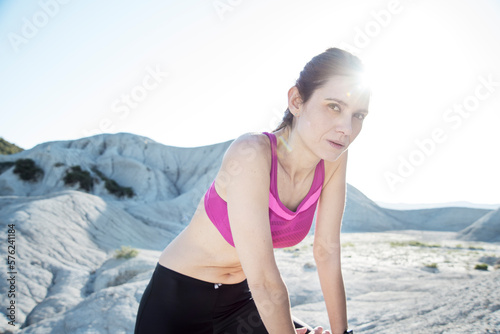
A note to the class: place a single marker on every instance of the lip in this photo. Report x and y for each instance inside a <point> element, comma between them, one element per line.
<point>336,144</point>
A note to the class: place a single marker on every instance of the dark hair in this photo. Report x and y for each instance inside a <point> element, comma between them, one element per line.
<point>318,71</point>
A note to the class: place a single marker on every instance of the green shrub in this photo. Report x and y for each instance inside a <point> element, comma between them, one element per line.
<point>99,173</point>
<point>75,174</point>
<point>431,265</point>
<point>28,170</point>
<point>481,266</point>
<point>126,252</point>
<point>413,243</point>
<point>398,244</point>
<point>421,244</point>
<point>113,187</point>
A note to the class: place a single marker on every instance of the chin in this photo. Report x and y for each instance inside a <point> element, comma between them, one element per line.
<point>332,157</point>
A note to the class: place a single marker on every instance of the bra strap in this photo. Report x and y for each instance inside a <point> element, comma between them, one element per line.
<point>274,162</point>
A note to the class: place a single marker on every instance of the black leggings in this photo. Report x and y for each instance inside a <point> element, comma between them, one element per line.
<point>176,303</point>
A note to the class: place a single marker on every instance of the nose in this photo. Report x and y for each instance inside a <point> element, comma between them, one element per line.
<point>344,124</point>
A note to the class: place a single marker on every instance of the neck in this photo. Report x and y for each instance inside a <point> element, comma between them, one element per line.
<point>296,159</point>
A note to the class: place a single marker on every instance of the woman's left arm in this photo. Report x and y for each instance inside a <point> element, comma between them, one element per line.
<point>326,247</point>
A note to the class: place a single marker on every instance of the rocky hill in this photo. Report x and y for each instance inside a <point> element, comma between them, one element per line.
<point>486,228</point>
<point>69,230</point>
<point>8,148</point>
<point>174,179</point>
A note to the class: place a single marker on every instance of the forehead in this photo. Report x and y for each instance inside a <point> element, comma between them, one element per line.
<point>346,88</point>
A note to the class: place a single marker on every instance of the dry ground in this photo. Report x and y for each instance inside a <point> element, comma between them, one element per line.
<point>403,282</point>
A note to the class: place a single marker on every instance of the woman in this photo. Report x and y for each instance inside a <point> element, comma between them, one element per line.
<point>219,275</point>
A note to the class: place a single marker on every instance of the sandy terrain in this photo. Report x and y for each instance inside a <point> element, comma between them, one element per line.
<point>403,282</point>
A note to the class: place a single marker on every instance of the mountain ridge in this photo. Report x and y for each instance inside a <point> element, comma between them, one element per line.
<point>168,173</point>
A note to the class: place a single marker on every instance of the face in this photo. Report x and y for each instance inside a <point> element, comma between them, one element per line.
<point>332,117</point>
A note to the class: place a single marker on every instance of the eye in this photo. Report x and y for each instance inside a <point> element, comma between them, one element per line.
<point>360,116</point>
<point>334,106</point>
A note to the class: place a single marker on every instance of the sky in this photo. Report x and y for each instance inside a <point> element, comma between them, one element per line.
<point>195,73</point>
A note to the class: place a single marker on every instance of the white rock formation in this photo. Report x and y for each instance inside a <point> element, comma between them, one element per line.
<point>486,228</point>
<point>68,280</point>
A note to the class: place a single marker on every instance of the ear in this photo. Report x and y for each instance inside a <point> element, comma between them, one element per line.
<point>294,100</point>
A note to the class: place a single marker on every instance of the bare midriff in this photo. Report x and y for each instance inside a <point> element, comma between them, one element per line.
<point>199,251</point>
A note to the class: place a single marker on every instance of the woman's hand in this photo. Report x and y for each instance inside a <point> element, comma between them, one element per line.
<point>317,330</point>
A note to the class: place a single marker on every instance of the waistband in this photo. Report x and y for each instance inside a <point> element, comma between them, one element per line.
<point>172,274</point>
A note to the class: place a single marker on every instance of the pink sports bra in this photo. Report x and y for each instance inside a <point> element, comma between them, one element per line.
<point>288,228</point>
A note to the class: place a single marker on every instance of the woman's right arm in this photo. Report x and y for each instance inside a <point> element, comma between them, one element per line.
<point>247,192</point>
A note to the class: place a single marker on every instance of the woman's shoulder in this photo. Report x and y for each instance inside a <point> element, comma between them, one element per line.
<point>250,148</point>
<point>248,158</point>
<point>254,139</point>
